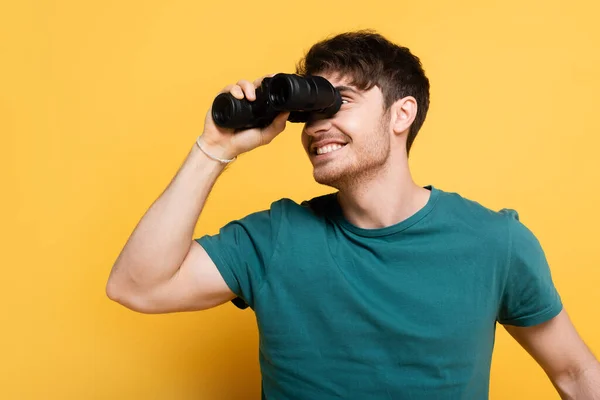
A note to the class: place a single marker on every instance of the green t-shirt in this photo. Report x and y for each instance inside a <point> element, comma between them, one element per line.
<point>403,312</point>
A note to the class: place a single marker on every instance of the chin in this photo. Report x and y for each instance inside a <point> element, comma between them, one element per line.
<point>347,176</point>
<point>333,177</point>
<point>327,181</point>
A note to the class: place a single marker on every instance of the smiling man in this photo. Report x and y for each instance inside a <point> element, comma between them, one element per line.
<point>383,289</point>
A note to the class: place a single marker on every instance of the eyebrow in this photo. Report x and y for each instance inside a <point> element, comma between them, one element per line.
<point>344,88</point>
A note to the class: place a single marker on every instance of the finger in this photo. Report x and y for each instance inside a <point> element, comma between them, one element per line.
<point>257,82</point>
<point>248,89</point>
<point>226,89</point>
<point>276,127</point>
<point>282,117</point>
<point>237,92</point>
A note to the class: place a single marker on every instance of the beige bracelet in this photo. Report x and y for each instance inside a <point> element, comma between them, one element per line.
<point>221,160</point>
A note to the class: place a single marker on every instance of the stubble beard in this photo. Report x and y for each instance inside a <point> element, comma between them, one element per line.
<point>366,162</point>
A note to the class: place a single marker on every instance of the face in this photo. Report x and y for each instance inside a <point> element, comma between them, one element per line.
<point>354,144</point>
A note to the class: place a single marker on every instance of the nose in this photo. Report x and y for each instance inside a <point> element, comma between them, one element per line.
<point>316,124</point>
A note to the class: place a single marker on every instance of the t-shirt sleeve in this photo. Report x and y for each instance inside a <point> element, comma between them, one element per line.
<point>530,296</point>
<point>242,249</point>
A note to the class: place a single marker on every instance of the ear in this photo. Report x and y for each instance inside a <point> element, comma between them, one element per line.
<point>403,113</point>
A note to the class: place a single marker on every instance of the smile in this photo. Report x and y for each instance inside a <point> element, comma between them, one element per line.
<point>328,148</point>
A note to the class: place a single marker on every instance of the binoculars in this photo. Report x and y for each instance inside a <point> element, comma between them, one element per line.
<point>304,97</point>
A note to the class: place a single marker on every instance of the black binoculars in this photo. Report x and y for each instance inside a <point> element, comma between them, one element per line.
<point>304,97</point>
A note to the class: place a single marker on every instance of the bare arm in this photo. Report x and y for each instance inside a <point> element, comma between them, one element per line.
<point>562,354</point>
<point>160,255</point>
<point>161,268</point>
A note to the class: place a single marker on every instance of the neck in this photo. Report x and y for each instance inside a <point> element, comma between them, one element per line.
<point>384,199</point>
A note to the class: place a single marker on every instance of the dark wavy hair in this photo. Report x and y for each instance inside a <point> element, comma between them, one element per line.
<point>367,58</point>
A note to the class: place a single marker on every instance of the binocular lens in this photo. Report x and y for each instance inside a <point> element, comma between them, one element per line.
<point>227,110</point>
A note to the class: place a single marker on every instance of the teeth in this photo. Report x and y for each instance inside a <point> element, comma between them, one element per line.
<point>329,148</point>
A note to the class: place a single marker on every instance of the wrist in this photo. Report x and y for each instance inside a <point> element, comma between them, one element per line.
<point>214,152</point>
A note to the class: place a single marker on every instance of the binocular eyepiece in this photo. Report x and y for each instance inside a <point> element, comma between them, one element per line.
<point>305,97</point>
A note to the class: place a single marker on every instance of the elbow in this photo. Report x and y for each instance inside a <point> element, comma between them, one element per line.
<point>116,288</point>
<point>113,291</point>
<point>127,296</point>
<point>118,292</point>
<point>579,382</point>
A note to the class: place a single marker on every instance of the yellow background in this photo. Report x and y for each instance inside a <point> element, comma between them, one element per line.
<point>101,100</point>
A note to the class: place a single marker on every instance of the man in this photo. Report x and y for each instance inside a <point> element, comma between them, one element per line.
<point>381,290</point>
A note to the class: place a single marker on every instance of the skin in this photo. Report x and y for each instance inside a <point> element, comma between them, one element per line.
<point>371,171</point>
<point>162,270</point>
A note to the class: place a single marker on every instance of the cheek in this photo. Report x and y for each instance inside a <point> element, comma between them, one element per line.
<point>358,125</point>
<point>351,125</point>
<point>304,139</point>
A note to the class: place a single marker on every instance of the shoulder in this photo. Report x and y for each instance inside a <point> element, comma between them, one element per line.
<point>502,225</point>
<point>471,211</point>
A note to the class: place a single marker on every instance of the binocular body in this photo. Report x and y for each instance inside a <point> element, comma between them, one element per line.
<point>304,97</point>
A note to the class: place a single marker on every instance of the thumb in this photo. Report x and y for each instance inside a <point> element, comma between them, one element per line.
<point>276,127</point>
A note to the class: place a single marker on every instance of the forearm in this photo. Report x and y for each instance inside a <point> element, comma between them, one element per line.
<point>583,384</point>
<point>161,240</point>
